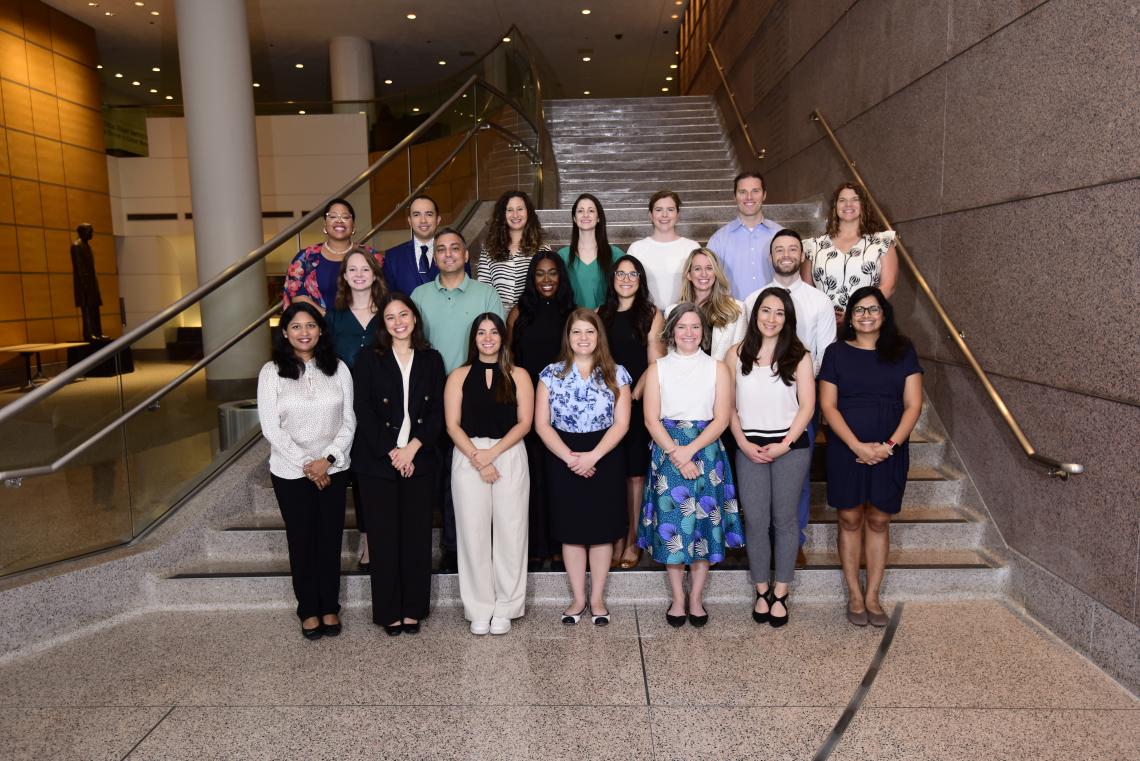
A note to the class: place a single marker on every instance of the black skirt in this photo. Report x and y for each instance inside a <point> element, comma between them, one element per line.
<point>587,510</point>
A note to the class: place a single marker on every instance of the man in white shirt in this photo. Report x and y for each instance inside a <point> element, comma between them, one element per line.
<point>815,327</point>
<point>743,244</point>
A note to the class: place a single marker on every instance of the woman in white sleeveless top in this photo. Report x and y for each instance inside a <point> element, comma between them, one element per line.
<point>689,513</point>
<point>775,396</point>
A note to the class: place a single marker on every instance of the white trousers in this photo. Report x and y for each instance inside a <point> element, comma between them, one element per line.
<point>491,533</point>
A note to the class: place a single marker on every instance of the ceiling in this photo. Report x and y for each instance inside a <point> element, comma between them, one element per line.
<point>631,43</point>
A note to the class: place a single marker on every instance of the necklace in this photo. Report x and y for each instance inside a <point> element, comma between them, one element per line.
<point>332,250</point>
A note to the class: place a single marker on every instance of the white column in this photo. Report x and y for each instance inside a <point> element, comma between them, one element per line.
<point>217,81</point>
<point>352,74</point>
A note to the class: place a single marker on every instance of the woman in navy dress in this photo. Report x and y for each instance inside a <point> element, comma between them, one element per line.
<point>870,392</point>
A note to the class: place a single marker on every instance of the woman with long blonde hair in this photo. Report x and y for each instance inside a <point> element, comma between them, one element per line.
<point>582,415</point>
<point>704,283</point>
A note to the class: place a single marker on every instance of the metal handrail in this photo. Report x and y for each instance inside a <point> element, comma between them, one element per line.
<point>1057,468</point>
<point>736,109</point>
<point>259,253</point>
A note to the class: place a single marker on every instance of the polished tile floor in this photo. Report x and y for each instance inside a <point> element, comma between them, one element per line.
<point>960,681</point>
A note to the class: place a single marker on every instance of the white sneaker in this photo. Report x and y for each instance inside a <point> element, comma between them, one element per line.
<point>482,627</point>
<point>500,625</point>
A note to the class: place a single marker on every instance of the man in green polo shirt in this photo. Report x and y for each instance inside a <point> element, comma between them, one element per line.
<point>448,306</point>
<point>449,303</point>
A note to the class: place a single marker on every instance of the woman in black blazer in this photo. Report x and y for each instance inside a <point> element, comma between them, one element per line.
<point>399,408</point>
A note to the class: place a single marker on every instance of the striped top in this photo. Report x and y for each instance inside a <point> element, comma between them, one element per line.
<point>765,405</point>
<point>507,277</point>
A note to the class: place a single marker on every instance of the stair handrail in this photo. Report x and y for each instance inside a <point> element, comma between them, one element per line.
<point>736,109</point>
<point>1056,468</point>
<point>229,273</point>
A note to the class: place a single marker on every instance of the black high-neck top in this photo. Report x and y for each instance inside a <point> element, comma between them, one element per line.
<point>481,414</point>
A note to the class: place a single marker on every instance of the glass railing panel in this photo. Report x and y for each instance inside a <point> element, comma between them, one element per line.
<point>80,509</point>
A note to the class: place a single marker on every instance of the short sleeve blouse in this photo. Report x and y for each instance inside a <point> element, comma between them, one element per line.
<point>839,275</point>
<point>577,404</point>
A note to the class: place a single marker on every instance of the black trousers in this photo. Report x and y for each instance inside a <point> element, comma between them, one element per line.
<point>357,503</point>
<point>542,545</point>
<point>446,503</point>
<point>399,545</point>
<point>314,528</point>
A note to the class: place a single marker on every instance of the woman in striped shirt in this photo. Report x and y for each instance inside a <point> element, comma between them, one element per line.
<point>513,238</point>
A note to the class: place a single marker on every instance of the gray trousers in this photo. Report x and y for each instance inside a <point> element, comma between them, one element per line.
<point>769,493</point>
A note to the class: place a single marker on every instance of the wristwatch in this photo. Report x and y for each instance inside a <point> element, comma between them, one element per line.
<point>331,459</point>
<point>890,445</point>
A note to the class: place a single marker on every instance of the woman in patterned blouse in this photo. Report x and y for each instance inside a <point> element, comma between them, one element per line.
<point>513,237</point>
<point>312,275</point>
<point>582,414</point>
<point>854,252</point>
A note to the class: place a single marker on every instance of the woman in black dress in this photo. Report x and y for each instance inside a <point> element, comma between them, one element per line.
<point>633,326</point>
<point>535,330</point>
<point>870,392</point>
<point>582,413</point>
<point>399,412</point>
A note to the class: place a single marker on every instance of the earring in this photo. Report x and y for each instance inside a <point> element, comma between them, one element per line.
<point>325,231</point>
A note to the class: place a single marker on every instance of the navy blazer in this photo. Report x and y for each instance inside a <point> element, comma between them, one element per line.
<point>402,270</point>
<point>379,405</point>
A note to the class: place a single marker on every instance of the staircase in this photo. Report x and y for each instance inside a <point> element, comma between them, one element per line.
<point>943,545</point>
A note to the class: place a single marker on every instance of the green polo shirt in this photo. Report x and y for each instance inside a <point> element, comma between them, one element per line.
<point>448,314</point>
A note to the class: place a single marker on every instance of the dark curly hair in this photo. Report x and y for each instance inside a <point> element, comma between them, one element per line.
<point>891,345</point>
<point>789,350</point>
<point>324,353</point>
<point>643,309</point>
<point>530,300</point>
<point>498,240</point>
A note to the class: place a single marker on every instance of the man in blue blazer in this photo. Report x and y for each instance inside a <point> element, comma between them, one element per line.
<point>412,263</point>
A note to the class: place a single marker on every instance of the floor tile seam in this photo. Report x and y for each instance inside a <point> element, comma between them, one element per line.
<point>1082,709</point>
<point>211,706</point>
<point>641,652</point>
<point>148,733</point>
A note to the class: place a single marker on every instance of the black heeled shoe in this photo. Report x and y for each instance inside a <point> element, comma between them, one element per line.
<point>393,630</point>
<point>762,618</point>
<point>773,620</point>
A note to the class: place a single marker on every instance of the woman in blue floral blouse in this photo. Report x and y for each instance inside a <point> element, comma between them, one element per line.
<point>582,413</point>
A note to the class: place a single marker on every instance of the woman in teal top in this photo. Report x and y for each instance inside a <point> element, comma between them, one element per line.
<point>589,258</point>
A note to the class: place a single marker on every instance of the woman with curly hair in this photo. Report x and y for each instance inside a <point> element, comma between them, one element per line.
<point>855,251</point>
<point>314,273</point>
<point>514,236</point>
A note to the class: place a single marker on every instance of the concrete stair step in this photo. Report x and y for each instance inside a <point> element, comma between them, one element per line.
<point>910,575</point>
<point>570,132</point>
<point>568,147</point>
<point>639,185</point>
<point>663,156</point>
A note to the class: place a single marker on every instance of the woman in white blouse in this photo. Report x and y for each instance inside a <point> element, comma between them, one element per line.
<point>663,253</point>
<point>304,403</point>
<point>704,283</point>
<point>854,252</point>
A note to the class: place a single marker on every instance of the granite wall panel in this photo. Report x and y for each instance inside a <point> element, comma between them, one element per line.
<point>1085,529</point>
<point>1076,331</point>
<point>923,239</point>
<point>809,21</point>
<point>974,20</point>
<point>1049,103</point>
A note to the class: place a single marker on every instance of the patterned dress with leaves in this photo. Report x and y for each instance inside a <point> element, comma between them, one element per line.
<point>683,521</point>
<point>840,274</point>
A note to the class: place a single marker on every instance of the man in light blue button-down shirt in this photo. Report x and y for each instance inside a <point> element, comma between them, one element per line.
<point>743,244</point>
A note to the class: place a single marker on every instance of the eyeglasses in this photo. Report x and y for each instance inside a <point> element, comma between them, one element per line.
<point>339,217</point>
<point>622,275</point>
<point>860,311</point>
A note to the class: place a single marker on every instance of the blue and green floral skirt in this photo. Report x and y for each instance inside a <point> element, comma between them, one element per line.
<point>684,521</point>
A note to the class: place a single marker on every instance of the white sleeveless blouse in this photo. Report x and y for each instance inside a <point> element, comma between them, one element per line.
<point>688,386</point>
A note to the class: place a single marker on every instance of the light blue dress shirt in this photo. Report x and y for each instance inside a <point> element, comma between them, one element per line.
<point>745,254</point>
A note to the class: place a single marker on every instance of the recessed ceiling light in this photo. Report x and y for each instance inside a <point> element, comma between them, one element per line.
<point>93,5</point>
<point>257,84</point>
<point>136,83</point>
<point>506,39</point>
<point>153,91</point>
<point>108,13</point>
<point>98,66</point>
<point>585,11</point>
<point>362,112</point>
<point>664,89</point>
<point>416,110</point>
<point>139,3</point>
<point>442,62</point>
<point>411,17</point>
<point>298,65</point>
<point>387,81</point>
<point>118,75</point>
<point>678,2</point>
<point>585,92</point>
<point>170,97</point>
<point>155,68</point>
<point>586,58</point>
<point>668,79</point>
<point>464,95</point>
<point>301,112</point>
<point>672,66</point>
<point>154,13</point>
<point>674,16</point>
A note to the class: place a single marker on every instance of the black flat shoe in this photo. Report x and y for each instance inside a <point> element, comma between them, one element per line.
<point>312,634</point>
<point>393,630</point>
<point>411,628</point>
<point>365,567</point>
<point>762,618</point>
<point>777,621</point>
<point>330,630</point>
<point>675,621</point>
<point>699,621</point>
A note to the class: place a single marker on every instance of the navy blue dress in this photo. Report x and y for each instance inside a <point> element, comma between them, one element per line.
<point>871,402</point>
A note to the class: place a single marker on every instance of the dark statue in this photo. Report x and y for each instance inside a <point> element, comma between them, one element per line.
<point>87,296</point>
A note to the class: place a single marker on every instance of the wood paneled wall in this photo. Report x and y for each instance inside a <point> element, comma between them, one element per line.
<point>53,174</point>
